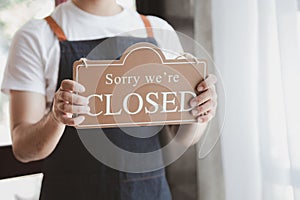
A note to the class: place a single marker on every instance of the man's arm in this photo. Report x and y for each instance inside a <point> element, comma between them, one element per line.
<point>36,134</point>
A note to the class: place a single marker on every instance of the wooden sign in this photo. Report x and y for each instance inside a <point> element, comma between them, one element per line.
<point>142,88</point>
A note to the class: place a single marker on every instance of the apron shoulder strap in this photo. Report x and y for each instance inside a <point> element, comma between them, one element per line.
<point>147,26</point>
<point>62,37</point>
<point>56,29</point>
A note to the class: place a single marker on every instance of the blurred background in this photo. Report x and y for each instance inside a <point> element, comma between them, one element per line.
<point>255,48</point>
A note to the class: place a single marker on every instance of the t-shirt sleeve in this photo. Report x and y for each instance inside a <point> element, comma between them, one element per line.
<point>166,37</point>
<point>24,68</point>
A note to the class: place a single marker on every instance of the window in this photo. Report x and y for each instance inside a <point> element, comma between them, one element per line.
<point>13,14</point>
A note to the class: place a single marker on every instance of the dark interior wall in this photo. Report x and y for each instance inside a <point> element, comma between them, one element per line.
<point>178,13</point>
<point>151,7</point>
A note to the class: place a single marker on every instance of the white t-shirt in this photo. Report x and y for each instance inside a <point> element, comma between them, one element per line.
<point>34,56</point>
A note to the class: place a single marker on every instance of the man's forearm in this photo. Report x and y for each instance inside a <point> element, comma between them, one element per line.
<point>190,134</point>
<point>36,141</point>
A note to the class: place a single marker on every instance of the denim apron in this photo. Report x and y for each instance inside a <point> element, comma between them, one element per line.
<point>71,172</point>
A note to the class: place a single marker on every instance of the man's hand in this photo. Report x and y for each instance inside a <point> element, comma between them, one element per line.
<point>67,102</point>
<point>204,109</point>
<point>34,134</point>
<point>205,104</point>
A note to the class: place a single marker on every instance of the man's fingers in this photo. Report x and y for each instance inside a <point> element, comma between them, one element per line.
<point>73,86</point>
<point>72,98</point>
<point>66,118</point>
<point>66,103</point>
<point>74,109</point>
<point>206,99</point>
<point>206,118</point>
<point>207,83</point>
<point>200,110</point>
<point>203,97</point>
<point>71,121</point>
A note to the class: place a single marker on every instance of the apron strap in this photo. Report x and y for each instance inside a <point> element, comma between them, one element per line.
<point>62,37</point>
<point>56,29</point>
<point>147,26</point>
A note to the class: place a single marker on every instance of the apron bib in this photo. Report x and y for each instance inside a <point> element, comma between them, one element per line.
<point>71,172</point>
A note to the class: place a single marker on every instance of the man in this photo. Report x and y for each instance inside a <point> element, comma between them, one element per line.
<point>43,100</point>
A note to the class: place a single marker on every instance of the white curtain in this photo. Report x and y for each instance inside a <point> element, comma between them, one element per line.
<point>256,50</point>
